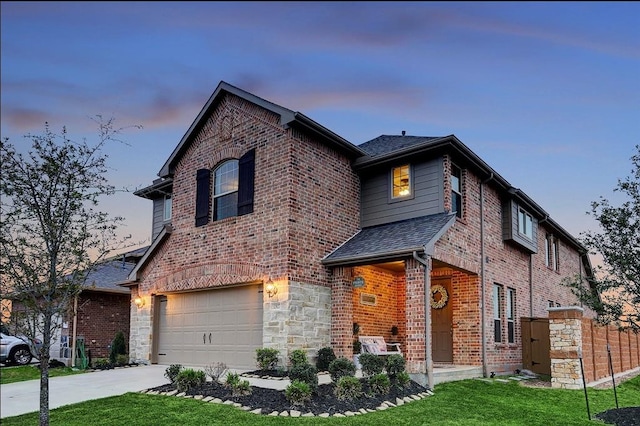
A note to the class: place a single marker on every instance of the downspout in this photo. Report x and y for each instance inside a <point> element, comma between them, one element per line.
<point>75,325</point>
<point>483,343</point>
<point>427,319</point>
<point>543,220</point>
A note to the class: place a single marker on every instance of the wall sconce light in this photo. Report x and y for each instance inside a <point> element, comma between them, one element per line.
<point>270,288</point>
<point>139,301</point>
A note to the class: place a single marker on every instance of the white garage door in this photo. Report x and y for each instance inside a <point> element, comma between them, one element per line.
<point>205,327</point>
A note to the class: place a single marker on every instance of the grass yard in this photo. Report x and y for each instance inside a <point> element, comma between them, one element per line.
<point>467,402</point>
<point>31,372</point>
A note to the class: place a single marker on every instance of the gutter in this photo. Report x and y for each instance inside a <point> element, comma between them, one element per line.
<point>427,318</point>
<point>483,342</point>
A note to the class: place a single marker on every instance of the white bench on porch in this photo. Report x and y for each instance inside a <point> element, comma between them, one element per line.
<point>377,346</point>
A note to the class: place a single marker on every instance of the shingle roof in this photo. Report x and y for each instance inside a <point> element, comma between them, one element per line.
<point>107,275</point>
<point>396,239</point>
<point>385,144</point>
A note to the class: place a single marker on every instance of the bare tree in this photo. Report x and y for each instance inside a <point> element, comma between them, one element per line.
<point>51,233</point>
<point>617,281</point>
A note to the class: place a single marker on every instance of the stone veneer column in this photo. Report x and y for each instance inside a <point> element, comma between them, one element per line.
<point>565,335</point>
<point>342,312</point>
<point>140,338</point>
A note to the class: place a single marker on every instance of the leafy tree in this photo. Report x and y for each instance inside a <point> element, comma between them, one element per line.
<point>51,234</point>
<point>617,280</point>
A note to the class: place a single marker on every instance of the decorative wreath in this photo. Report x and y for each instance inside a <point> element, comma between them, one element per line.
<point>439,304</point>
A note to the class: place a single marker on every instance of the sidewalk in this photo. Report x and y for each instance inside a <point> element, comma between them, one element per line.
<point>24,397</point>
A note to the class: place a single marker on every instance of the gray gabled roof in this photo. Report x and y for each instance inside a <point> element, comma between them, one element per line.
<point>386,144</point>
<point>392,241</point>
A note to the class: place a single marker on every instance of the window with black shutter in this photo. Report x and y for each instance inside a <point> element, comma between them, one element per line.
<point>246,181</point>
<point>203,182</point>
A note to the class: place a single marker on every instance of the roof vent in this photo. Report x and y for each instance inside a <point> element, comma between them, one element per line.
<point>404,132</point>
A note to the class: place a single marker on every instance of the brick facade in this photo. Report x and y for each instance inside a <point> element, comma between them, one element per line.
<point>306,204</point>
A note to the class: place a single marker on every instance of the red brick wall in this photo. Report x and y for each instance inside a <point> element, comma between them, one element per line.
<point>305,204</point>
<point>342,312</point>
<point>505,264</point>
<point>100,317</point>
<point>378,320</point>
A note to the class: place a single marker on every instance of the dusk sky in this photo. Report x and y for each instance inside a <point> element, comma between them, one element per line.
<point>546,93</point>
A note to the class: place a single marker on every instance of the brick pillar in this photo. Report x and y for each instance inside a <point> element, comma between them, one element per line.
<point>416,321</point>
<point>342,312</point>
<point>565,335</point>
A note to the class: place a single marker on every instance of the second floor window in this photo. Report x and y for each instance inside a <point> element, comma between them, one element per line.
<point>167,207</point>
<point>525,224</point>
<point>551,253</point>
<point>456,190</point>
<point>401,181</point>
<point>225,190</point>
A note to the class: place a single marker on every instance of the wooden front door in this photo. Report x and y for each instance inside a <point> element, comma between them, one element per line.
<point>442,323</point>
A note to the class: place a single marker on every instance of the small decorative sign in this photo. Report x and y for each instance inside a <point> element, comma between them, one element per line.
<point>358,282</point>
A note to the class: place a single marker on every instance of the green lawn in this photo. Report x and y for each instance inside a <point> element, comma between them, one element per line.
<point>467,402</point>
<point>31,372</point>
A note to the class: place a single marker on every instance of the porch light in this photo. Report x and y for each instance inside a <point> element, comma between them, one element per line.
<point>270,288</point>
<point>139,301</point>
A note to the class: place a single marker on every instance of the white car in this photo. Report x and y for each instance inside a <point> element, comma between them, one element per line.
<point>18,350</point>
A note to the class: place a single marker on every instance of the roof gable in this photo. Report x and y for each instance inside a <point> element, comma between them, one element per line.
<point>288,118</point>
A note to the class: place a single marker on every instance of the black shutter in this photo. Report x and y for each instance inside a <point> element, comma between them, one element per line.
<point>246,172</point>
<point>203,194</point>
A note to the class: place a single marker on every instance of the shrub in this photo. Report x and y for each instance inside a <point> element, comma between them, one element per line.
<point>232,380</point>
<point>122,359</point>
<point>238,387</point>
<point>267,358</point>
<point>102,364</point>
<point>298,357</point>
<point>189,378</point>
<point>306,373</point>
<point>243,387</point>
<point>216,370</point>
<point>357,346</point>
<point>172,372</point>
<point>298,393</point>
<point>348,388</point>
<point>325,356</point>
<point>118,347</point>
<point>380,383</point>
<point>395,365</point>
<point>403,379</point>
<point>341,367</point>
<point>371,364</point>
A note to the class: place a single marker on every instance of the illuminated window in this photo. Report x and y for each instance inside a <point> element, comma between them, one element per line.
<point>401,178</point>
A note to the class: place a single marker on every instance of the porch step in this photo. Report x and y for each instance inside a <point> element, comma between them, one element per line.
<point>450,373</point>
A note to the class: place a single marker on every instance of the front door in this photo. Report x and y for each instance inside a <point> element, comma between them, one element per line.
<point>441,320</point>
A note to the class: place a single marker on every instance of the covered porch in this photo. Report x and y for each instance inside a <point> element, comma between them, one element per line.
<point>394,288</point>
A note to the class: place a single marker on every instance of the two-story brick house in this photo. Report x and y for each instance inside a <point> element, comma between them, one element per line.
<point>270,230</point>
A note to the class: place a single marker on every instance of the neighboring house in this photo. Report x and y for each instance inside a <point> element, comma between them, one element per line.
<point>257,196</point>
<point>103,309</point>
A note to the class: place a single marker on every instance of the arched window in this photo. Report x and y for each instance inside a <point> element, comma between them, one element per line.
<point>225,190</point>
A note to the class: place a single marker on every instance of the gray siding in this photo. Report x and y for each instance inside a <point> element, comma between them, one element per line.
<point>377,206</point>
<point>510,227</point>
<point>158,217</point>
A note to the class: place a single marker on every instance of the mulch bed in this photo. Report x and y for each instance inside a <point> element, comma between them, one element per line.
<point>323,401</point>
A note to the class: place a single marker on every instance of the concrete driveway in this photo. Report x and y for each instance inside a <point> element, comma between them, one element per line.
<point>24,397</point>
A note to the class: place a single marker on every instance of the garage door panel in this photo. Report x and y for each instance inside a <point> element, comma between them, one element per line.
<point>233,318</point>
